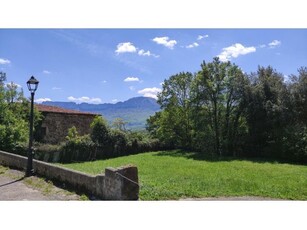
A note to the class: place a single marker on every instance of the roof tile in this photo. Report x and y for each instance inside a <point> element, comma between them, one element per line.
<point>54,109</point>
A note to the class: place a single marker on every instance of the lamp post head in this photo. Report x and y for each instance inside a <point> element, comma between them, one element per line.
<point>32,84</point>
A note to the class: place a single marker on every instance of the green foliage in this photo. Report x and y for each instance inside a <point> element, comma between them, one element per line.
<point>48,152</point>
<point>266,111</point>
<point>218,105</point>
<point>222,111</point>
<point>202,111</point>
<point>169,175</point>
<point>119,142</point>
<point>14,110</point>
<point>173,126</point>
<point>77,148</point>
<point>102,143</point>
<point>100,134</point>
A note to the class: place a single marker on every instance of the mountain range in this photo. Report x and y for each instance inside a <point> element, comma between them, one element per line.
<point>135,111</point>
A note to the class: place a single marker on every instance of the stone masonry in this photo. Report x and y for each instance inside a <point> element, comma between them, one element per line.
<point>56,122</point>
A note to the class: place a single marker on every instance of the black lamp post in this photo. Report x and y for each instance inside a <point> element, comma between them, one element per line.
<point>32,86</point>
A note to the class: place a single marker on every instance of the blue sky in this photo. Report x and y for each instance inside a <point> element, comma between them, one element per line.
<point>111,65</point>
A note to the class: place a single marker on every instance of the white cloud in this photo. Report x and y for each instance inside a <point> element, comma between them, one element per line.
<point>143,53</point>
<point>129,79</point>
<point>125,47</point>
<point>46,72</point>
<point>262,46</point>
<point>132,88</point>
<point>274,43</point>
<point>147,53</point>
<point>79,100</point>
<point>114,100</point>
<point>150,92</point>
<point>104,81</point>
<point>165,41</point>
<point>41,100</point>
<point>56,88</point>
<point>4,61</point>
<point>234,51</point>
<point>195,44</point>
<point>128,47</point>
<point>200,37</point>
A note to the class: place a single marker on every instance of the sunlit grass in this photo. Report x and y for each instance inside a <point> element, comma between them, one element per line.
<point>175,175</point>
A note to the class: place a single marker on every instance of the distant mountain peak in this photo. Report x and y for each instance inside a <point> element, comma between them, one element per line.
<point>135,110</point>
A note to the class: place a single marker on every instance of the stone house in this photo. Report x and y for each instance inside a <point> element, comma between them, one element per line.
<point>56,121</point>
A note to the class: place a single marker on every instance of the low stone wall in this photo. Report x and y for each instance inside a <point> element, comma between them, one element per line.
<point>115,184</point>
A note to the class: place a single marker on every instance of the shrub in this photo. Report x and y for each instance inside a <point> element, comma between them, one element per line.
<point>77,148</point>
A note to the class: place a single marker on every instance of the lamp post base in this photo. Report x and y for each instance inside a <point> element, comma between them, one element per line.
<point>29,173</point>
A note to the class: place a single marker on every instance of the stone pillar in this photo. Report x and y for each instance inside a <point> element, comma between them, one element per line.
<point>99,186</point>
<point>121,183</point>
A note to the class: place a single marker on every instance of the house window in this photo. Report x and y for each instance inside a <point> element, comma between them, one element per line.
<point>43,131</point>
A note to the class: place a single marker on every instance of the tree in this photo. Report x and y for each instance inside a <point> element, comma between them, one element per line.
<point>100,134</point>
<point>13,116</point>
<point>175,121</point>
<point>2,78</point>
<point>119,142</point>
<point>222,111</point>
<point>295,137</point>
<point>299,94</point>
<point>267,111</point>
<point>119,124</point>
<point>218,104</point>
<point>12,94</point>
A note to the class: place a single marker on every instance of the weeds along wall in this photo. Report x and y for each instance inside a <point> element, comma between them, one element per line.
<point>115,184</point>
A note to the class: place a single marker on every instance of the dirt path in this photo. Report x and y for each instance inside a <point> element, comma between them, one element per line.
<point>14,186</point>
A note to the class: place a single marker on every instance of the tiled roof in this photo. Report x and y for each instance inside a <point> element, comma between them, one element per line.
<point>54,109</point>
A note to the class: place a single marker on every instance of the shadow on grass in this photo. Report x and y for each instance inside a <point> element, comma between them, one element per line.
<point>206,157</point>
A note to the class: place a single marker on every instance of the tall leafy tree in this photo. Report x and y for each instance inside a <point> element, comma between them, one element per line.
<point>218,98</point>
<point>13,116</point>
<point>267,110</point>
<point>299,94</point>
<point>175,99</point>
<point>221,110</point>
<point>295,138</point>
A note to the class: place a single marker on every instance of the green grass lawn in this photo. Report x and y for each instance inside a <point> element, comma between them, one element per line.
<point>172,175</point>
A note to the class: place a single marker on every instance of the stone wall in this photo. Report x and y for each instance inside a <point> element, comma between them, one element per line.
<point>115,184</point>
<point>54,126</point>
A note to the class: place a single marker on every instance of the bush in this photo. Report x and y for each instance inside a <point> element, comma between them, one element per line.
<point>47,152</point>
<point>100,134</point>
<point>77,148</point>
<point>119,142</point>
<point>295,144</point>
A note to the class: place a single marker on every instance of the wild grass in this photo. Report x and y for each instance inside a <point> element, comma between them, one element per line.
<point>3,169</point>
<point>171,175</point>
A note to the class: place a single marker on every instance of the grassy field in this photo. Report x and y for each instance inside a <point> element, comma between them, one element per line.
<point>170,175</point>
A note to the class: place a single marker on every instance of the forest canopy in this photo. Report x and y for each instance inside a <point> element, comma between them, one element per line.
<point>223,111</point>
